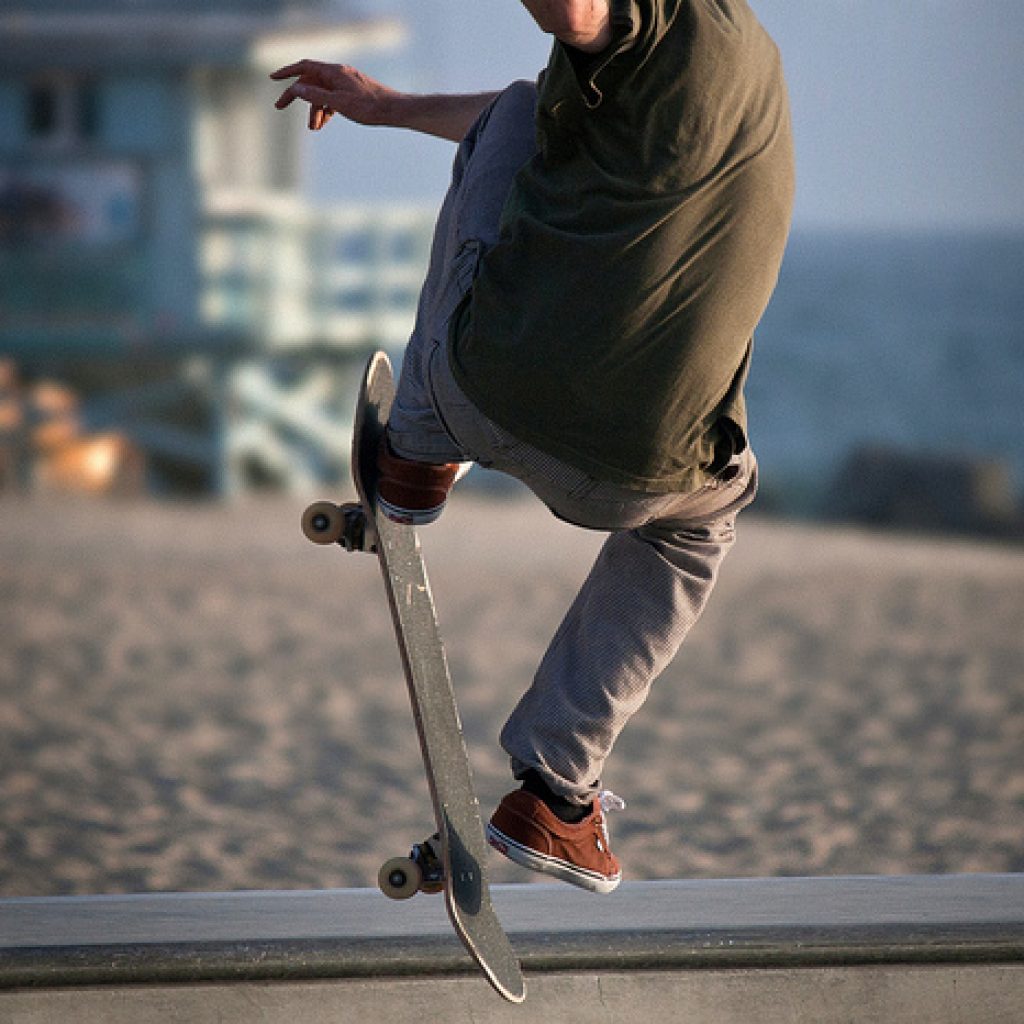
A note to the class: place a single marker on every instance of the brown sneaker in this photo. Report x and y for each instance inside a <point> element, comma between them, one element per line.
<point>412,492</point>
<point>528,832</point>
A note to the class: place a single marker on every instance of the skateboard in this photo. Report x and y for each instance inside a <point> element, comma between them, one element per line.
<point>454,859</point>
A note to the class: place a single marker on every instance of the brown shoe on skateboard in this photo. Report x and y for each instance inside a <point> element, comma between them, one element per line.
<point>410,492</point>
<point>527,831</point>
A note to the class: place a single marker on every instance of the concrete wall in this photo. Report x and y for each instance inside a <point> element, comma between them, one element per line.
<point>787,950</point>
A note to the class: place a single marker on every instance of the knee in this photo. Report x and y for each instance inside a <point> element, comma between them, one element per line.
<point>518,103</point>
<point>522,91</point>
<point>667,533</point>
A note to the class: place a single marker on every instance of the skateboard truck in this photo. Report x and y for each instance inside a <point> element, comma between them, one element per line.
<point>323,522</point>
<point>422,871</point>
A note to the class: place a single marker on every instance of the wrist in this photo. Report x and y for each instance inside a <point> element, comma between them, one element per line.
<point>387,110</point>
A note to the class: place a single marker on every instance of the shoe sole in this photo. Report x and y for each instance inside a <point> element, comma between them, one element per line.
<point>409,517</point>
<point>563,870</point>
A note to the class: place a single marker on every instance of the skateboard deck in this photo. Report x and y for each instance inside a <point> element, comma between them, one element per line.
<point>449,778</point>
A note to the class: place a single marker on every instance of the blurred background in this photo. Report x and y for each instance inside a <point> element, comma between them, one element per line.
<point>189,278</point>
<point>189,285</point>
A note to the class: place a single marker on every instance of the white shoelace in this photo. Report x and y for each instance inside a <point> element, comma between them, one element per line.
<point>609,802</point>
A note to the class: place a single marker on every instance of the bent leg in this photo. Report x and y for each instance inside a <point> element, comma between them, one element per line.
<point>644,593</point>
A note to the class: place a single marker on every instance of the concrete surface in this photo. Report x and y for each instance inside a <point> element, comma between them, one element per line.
<point>897,949</point>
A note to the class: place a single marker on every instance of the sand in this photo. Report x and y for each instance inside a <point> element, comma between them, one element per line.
<point>192,697</point>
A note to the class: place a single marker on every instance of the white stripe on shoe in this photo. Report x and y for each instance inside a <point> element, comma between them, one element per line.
<point>563,870</point>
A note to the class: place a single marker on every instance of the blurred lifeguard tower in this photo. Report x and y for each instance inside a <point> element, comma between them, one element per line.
<point>156,254</point>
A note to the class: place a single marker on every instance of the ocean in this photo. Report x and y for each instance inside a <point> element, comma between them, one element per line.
<point>914,342</point>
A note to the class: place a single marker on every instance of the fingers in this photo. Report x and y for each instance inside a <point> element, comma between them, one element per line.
<point>310,72</point>
<point>303,91</point>
<point>318,118</point>
<point>322,86</point>
<point>312,94</point>
<point>284,99</point>
<point>300,67</point>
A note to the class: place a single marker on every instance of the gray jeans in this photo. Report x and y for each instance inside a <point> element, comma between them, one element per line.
<point>655,571</point>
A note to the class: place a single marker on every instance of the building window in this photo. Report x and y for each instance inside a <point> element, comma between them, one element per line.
<point>43,106</point>
<point>62,112</point>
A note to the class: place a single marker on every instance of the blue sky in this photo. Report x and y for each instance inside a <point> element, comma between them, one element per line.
<point>908,113</point>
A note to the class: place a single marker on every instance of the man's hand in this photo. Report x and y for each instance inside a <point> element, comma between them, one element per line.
<point>336,89</point>
<point>584,24</point>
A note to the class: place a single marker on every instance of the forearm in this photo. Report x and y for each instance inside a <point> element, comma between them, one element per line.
<point>442,115</point>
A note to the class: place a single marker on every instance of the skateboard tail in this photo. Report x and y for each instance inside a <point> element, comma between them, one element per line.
<point>467,899</point>
<point>472,916</point>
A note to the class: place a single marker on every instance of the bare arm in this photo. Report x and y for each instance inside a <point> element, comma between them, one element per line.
<point>584,24</point>
<point>338,89</point>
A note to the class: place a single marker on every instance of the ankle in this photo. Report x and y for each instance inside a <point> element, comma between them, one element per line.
<point>565,810</point>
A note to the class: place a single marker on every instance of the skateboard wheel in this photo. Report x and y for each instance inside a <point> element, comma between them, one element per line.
<point>399,878</point>
<point>323,523</point>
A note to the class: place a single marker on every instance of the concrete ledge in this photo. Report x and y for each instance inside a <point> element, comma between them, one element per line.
<point>650,937</point>
<point>742,923</point>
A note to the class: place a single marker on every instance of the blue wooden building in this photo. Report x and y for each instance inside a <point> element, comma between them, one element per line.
<point>156,253</point>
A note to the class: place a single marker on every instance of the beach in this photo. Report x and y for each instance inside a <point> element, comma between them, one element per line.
<point>193,697</point>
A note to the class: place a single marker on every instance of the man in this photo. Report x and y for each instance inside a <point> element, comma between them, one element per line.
<point>609,241</point>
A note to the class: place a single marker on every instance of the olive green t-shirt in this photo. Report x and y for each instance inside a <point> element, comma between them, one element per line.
<point>612,323</point>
